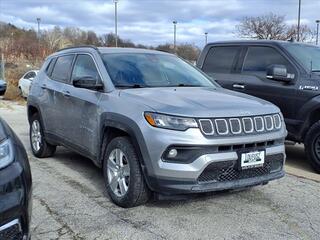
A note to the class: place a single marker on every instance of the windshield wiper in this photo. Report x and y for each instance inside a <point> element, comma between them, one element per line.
<point>316,70</point>
<point>130,86</point>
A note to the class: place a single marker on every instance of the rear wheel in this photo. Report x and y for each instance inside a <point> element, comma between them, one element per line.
<point>40,147</point>
<point>122,174</point>
<point>312,146</point>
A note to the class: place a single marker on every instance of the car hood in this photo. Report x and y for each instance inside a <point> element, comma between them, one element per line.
<point>2,82</point>
<point>200,102</point>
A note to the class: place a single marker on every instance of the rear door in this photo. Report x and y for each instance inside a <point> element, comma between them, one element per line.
<point>255,82</point>
<point>59,77</point>
<point>221,62</point>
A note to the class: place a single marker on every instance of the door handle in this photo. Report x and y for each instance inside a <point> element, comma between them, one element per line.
<point>239,86</point>
<point>44,86</point>
<point>66,94</point>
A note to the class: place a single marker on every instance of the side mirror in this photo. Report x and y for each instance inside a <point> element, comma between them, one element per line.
<point>87,82</point>
<point>279,73</point>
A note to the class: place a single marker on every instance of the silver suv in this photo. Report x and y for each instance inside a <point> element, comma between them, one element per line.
<point>153,123</point>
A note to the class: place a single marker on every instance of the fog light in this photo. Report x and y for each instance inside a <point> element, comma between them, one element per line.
<point>172,153</point>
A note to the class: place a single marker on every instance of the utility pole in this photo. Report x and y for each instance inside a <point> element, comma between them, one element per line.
<point>174,35</point>
<point>317,37</point>
<point>206,37</point>
<point>38,20</point>
<point>2,75</point>
<point>298,30</point>
<point>116,20</point>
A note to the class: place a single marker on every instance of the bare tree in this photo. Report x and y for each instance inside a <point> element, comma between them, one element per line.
<point>55,39</point>
<point>306,34</point>
<point>271,26</point>
<point>188,51</point>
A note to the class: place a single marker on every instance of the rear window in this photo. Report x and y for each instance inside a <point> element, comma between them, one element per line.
<point>221,59</point>
<point>62,68</point>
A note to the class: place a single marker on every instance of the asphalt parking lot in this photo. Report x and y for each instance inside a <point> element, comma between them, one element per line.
<point>70,202</point>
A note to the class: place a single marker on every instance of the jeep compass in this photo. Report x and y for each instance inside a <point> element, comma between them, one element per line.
<point>153,123</point>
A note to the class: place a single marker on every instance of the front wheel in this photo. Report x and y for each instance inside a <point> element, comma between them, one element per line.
<point>40,147</point>
<point>122,174</point>
<point>312,146</point>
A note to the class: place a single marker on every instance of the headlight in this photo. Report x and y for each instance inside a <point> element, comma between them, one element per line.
<point>6,153</point>
<point>170,122</point>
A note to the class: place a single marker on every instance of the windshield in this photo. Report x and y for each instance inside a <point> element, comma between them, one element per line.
<point>152,70</point>
<point>307,55</point>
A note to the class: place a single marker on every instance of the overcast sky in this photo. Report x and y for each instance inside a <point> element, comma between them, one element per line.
<point>150,21</point>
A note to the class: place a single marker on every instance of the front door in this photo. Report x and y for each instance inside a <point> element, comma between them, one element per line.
<point>83,105</point>
<point>255,82</point>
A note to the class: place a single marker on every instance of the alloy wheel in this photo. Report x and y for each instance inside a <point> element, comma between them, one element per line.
<point>118,170</point>
<point>36,137</point>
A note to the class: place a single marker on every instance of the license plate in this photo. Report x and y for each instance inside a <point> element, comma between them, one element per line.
<point>252,159</point>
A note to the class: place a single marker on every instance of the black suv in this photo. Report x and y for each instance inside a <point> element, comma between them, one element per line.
<point>284,73</point>
<point>15,186</point>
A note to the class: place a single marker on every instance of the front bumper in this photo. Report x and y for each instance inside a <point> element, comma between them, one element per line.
<point>179,177</point>
<point>12,230</point>
<point>15,203</point>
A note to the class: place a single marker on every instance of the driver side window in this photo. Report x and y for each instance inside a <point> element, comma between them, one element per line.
<point>85,68</point>
<point>258,59</point>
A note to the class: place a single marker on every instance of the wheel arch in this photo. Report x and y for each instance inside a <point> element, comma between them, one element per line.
<point>113,125</point>
<point>32,109</point>
<point>310,114</point>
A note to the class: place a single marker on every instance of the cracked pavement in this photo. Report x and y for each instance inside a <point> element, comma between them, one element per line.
<point>70,202</point>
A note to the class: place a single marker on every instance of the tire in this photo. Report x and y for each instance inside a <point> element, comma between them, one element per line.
<point>43,149</point>
<point>312,146</point>
<point>2,92</point>
<point>129,176</point>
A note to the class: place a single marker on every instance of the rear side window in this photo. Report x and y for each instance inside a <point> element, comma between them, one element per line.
<point>221,59</point>
<point>50,67</point>
<point>62,68</point>
<point>259,58</point>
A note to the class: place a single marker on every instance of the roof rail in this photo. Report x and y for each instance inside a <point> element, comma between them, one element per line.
<point>79,46</point>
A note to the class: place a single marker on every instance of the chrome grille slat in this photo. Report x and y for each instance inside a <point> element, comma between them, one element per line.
<point>222,126</point>
<point>205,125</point>
<point>247,125</point>
<point>257,122</point>
<point>235,125</point>
<point>240,125</point>
<point>277,121</point>
<point>268,122</point>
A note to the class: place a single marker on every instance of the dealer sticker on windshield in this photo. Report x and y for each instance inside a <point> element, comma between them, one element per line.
<point>252,159</point>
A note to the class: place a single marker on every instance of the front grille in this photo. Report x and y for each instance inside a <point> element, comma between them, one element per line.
<point>240,126</point>
<point>11,231</point>
<point>229,171</point>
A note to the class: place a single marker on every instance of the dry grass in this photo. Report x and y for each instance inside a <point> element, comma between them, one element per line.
<point>13,74</point>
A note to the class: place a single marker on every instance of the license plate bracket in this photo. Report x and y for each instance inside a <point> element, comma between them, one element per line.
<point>252,159</point>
